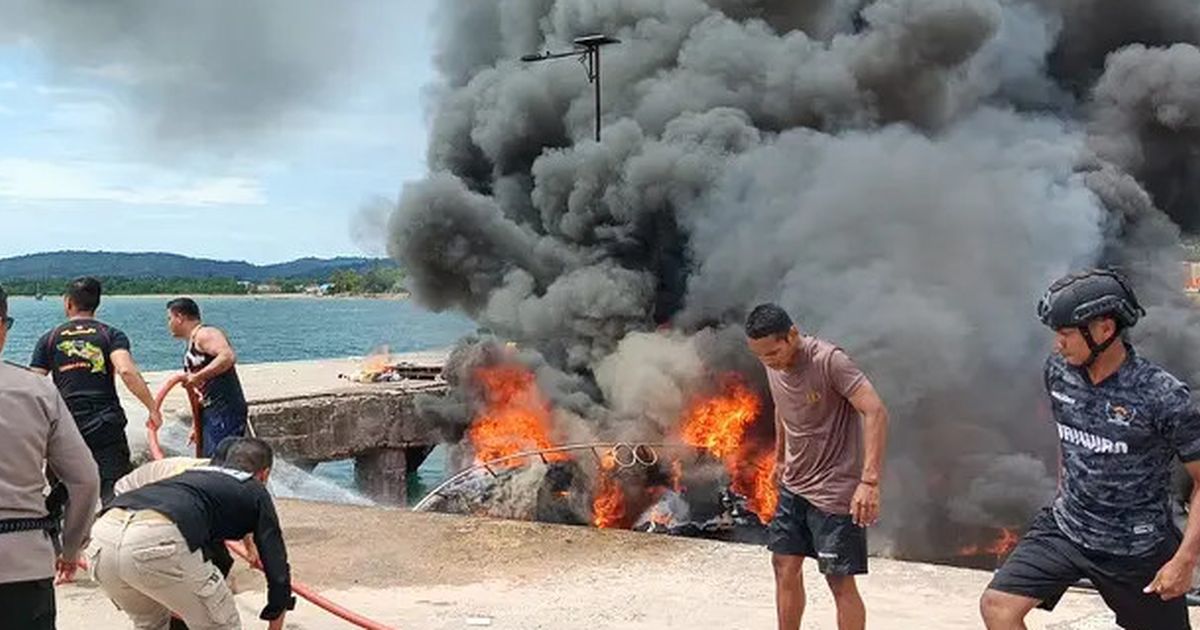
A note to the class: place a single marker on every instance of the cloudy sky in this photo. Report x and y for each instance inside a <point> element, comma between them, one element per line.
<point>219,135</point>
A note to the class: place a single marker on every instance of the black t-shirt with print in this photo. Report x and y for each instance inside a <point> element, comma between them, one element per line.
<point>211,504</point>
<point>78,356</point>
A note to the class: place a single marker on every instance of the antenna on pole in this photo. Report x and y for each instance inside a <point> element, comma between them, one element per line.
<point>587,49</point>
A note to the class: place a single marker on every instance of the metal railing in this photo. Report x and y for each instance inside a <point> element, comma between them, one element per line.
<point>621,454</point>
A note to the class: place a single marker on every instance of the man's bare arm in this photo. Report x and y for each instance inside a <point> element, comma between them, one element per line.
<point>780,449</point>
<point>1175,577</point>
<point>212,341</point>
<point>132,377</point>
<point>1190,547</point>
<point>875,423</point>
<point>865,505</point>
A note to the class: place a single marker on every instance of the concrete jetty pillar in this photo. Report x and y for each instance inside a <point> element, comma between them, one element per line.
<point>382,475</point>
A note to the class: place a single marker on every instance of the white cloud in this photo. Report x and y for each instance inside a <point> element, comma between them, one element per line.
<point>125,74</point>
<point>64,91</point>
<point>120,182</point>
<point>81,116</point>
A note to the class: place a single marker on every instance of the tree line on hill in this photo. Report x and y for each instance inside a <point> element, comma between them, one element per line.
<point>374,281</point>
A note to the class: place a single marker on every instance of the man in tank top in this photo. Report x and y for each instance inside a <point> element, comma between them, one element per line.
<point>210,365</point>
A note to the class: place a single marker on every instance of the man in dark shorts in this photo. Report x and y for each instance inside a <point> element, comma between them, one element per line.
<point>829,464</point>
<point>1121,420</point>
<point>210,364</point>
<point>84,356</point>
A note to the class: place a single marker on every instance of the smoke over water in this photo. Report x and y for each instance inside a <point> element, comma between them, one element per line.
<point>905,176</point>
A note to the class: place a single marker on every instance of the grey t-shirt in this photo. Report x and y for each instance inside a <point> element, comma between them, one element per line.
<point>822,431</point>
<point>1117,440</point>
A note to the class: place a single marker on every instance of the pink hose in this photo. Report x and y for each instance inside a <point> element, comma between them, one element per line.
<point>297,587</point>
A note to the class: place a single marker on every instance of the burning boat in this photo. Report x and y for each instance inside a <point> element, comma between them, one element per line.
<point>713,476</point>
<point>710,475</point>
<point>905,177</point>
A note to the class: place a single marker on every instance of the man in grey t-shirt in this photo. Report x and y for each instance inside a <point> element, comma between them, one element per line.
<point>830,430</point>
<point>36,429</point>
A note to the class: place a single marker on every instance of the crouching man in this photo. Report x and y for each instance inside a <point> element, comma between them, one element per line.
<point>146,550</point>
<point>158,470</point>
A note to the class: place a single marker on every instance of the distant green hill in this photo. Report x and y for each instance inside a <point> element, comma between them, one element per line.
<point>69,264</point>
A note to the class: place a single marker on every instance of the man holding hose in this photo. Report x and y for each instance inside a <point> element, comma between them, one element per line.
<point>146,547</point>
<point>209,362</point>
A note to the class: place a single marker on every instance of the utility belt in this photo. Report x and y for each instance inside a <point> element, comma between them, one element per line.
<point>15,525</point>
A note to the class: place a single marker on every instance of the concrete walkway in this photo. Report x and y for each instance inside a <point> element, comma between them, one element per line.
<point>265,381</point>
<point>438,572</point>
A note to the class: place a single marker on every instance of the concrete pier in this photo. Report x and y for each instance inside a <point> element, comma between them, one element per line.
<point>310,414</point>
<point>376,428</point>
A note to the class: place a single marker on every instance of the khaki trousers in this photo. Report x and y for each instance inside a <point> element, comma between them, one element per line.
<point>143,564</point>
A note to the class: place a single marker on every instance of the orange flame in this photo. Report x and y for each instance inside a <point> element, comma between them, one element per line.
<point>677,475</point>
<point>516,417</point>
<point>999,547</point>
<point>718,425</point>
<point>376,363</point>
<point>608,508</point>
<point>756,482</point>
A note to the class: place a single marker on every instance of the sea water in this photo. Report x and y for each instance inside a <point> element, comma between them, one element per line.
<point>265,330</point>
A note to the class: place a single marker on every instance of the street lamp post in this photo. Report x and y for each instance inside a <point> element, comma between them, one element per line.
<point>587,50</point>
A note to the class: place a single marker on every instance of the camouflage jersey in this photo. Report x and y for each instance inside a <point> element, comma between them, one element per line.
<point>1117,440</point>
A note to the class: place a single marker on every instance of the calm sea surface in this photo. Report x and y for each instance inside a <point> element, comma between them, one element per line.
<point>264,330</point>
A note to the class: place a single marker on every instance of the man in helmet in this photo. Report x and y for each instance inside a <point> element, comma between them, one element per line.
<point>1121,420</point>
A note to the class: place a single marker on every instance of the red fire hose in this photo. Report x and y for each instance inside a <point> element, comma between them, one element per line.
<point>297,587</point>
